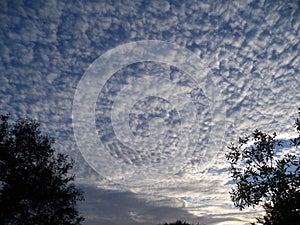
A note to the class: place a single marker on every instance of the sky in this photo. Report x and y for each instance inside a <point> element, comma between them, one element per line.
<point>146,95</point>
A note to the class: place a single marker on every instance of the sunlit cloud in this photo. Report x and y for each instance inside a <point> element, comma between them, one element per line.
<point>249,50</point>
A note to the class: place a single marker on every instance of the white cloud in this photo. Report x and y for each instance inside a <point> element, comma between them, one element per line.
<point>250,50</point>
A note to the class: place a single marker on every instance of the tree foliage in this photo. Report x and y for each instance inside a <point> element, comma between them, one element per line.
<point>36,186</point>
<point>264,177</point>
<point>178,222</point>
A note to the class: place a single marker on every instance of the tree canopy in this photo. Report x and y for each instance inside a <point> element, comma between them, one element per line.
<point>36,184</point>
<point>178,222</point>
<point>263,176</point>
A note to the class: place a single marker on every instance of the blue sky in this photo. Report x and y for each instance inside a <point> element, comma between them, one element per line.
<point>168,169</point>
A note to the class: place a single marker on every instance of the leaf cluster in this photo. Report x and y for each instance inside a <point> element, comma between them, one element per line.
<point>178,222</point>
<point>261,176</point>
<point>36,186</point>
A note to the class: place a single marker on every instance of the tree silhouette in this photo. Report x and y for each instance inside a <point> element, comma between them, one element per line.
<point>178,222</point>
<point>264,177</point>
<point>35,184</point>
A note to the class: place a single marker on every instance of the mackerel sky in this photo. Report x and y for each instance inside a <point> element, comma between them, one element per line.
<point>163,127</point>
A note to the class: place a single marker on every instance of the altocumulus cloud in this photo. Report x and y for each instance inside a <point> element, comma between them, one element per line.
<point>251,52</point>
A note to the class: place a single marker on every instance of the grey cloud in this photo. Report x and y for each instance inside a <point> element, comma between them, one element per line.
<point>250,49</point>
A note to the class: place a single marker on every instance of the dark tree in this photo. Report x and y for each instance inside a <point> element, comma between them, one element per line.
<point>178,222</point>
<point>264,177</point>
<point>36,186</point>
